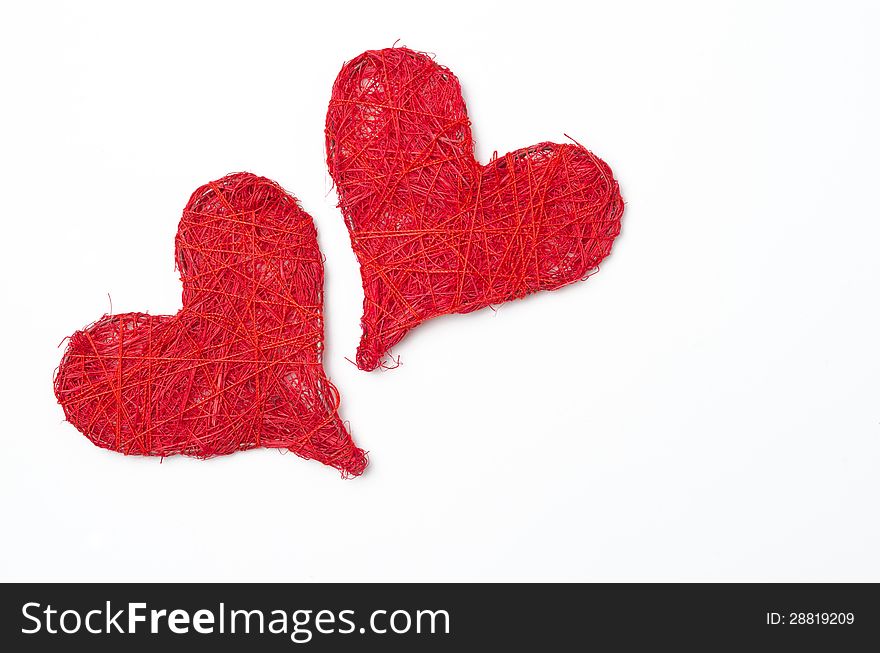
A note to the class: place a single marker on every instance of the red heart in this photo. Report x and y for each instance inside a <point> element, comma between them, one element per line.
<point>434,231</point>
<point>239,366</point>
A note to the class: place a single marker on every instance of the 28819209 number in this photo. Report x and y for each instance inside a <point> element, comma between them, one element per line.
<point>810,618</point>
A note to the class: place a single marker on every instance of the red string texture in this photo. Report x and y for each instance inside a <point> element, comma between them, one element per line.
<point>239,366</point>
<point>434,231</point>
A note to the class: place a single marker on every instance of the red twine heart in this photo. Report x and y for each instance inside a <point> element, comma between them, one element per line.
<point>240,365</point>
<point>434,231</point>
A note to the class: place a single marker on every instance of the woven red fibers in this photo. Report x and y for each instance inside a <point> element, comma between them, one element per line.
<point>239,366</point>
<point>434,231</point>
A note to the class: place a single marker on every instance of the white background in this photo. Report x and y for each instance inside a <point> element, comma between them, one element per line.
<point>707,407</point>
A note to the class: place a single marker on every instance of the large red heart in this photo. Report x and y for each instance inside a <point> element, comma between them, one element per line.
<point>434,231</point>
<point>240,365</point>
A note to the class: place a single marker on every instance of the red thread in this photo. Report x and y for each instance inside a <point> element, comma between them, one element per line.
<point>434,231</point>
<point>239,366</point>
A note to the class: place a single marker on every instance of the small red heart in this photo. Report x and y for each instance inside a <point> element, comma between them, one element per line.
<point>434,231</point>
<point>239,366</point>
